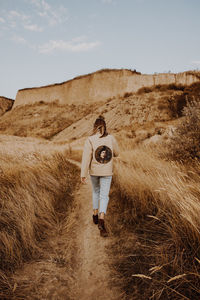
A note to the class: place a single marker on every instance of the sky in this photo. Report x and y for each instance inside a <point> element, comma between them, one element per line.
<point>50,41</point>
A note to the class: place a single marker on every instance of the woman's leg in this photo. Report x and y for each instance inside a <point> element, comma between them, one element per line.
<point>95,193</point>
<point>105,182</point>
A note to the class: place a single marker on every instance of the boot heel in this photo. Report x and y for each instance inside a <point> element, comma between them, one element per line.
<point>101,226</point>
<point>95,219</point>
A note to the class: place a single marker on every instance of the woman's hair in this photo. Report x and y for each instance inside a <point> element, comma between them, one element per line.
<point>100,125</point>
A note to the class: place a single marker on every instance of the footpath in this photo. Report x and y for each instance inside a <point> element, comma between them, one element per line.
<point>77,268</point>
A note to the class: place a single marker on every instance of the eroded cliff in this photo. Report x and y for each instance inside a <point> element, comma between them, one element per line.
<point>99,86</point>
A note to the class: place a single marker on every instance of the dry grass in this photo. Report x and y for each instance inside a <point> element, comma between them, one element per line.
<point>155,218</point>
<point>42,119</point>
<point>36,195</point>
<point>75,154</point>
<point>184,144</point>
<point>154,203</point>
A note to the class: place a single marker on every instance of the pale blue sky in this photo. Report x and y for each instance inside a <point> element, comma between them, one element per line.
<point>51,41</point>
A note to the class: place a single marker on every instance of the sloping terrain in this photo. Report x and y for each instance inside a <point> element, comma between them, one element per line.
<point>127,112</point>
<point>42,119</point>
<point>5,104</point>
<point>149,112</point>
<point>67,122</point>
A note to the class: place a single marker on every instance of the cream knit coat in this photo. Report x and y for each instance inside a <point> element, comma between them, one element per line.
<point>97,157</point>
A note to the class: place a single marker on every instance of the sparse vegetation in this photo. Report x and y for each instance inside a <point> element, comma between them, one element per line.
<point>161,88</point>
<point>177,101</point>
<point>42,119</point>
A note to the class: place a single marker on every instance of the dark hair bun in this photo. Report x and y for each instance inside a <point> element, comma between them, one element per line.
<point>101,117</point>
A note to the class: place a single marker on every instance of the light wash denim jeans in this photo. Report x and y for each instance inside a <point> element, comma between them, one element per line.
<point>100,192</point>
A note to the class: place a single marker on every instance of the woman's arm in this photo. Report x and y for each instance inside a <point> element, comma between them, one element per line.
<point>86,158</point>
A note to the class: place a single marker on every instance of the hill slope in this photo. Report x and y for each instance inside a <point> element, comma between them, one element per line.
<point>5,104</point>
<point>154,108</point>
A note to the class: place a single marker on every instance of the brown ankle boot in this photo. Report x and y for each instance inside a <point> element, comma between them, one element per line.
<point>101,226</point>
<point>95,219</point>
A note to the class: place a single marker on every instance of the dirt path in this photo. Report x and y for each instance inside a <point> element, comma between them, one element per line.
<point>76,265</point>
<point>93,272</point>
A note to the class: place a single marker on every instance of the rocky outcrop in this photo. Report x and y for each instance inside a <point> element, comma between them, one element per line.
<point>5,104</point>
<point>99,86</point>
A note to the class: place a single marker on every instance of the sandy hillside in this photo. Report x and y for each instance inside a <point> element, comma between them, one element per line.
<point>127,113</point>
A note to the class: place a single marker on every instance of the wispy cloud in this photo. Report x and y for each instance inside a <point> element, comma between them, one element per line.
<point>14,14</point>
<point>18,39</point>
<point>33,27</point>
<point>75,45</point>
<point>40,16</point>
<point>54,14</point>
<point>16,18</point>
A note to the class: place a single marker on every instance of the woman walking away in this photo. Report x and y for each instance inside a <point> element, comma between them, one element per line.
<point>97,158</point>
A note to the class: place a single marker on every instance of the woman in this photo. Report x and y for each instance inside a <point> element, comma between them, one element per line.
<point>97,158</point>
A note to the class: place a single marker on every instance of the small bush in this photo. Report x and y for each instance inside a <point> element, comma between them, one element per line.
<point>176,87</point>
<point>126,95</point>
<point>144,90</point>
<point>167,87</point>
<point>161,88</point>
<point>185,142</point>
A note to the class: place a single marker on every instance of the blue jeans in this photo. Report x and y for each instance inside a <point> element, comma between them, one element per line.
<point>100,192</point>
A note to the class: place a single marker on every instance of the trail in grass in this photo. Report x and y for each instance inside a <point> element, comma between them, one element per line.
<point>76,265</point>
<point>92,274</point>
<point>93,271</point>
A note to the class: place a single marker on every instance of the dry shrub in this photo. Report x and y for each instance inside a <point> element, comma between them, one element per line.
<point>127,94</point>
<point>178,101</point>
<point>35,196</point>
<point>184,144</point>
<point>155,220</point>
<point>161,88</point>
<point>144,90</point>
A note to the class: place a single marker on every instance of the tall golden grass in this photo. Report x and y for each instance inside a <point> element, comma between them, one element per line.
<point>155,207</point>
<point>34,196</point>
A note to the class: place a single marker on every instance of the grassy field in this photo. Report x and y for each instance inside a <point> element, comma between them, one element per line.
<point>36,194</point>
<point>154,206</point>
<point>154,213</point>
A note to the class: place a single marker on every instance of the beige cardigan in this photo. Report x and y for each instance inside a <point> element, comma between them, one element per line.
<point>97,157</point>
